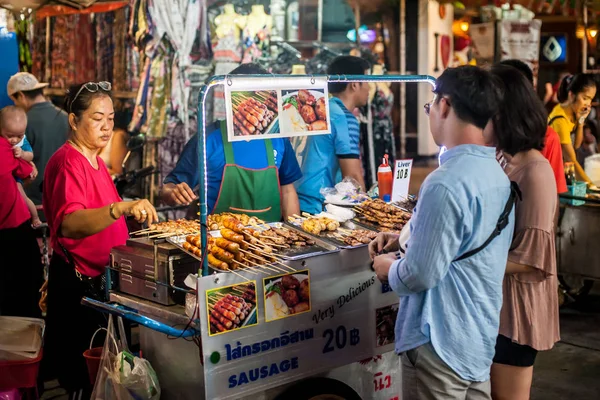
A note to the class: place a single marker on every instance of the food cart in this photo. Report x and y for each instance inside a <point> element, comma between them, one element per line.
<point>335,342</point>
<point>577,251</point>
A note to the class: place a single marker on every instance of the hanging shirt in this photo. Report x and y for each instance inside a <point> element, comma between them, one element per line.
<point>455,305</point>
<point>13,209</point>
<point>251,154</point>
<point>318,156</point>
<point>72,184</point>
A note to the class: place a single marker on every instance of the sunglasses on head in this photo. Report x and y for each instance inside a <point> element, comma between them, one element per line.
<point>92,87</point>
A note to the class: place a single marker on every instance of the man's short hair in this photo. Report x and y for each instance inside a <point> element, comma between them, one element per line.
<point>473,93</point>
<point>33,94</point>
<point>346,65</point>
<point>521,66</point>
<point>249,69</point>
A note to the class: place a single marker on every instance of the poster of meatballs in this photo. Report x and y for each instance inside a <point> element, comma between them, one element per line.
<point>266,109</point>
<point>385,323</point>
<point>231,308</point>
<point>304,110</point>
<point>287,295</point>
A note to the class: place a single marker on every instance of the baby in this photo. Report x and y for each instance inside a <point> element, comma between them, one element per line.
<point>13,122</point>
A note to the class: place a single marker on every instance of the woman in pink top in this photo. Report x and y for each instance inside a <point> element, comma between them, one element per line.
<point>86,217</point>
<point>529,315</point>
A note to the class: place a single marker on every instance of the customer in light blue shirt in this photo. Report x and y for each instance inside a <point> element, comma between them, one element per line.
<point>449,309</point>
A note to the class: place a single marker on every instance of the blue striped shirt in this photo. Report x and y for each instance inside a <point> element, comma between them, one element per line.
<point>318,156</point>
<point>455,305</point>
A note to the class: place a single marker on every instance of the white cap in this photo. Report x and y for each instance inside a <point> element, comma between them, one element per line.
<point>23,82</point>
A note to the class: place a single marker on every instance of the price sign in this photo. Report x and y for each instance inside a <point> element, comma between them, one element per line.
<point>402,172</point>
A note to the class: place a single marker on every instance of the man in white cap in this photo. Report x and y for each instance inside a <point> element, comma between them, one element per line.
<point>47,126</point>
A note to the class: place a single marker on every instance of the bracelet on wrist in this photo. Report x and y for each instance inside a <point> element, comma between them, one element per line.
<point>111,211</point>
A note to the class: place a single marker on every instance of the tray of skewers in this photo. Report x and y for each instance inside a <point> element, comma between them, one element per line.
<point>379,215</point>
<point>215,221</point>
<point>346,235</point>
<point>163,230</point>
<point>230,308</point>
<point>254,113</point>
<point>259,249</point>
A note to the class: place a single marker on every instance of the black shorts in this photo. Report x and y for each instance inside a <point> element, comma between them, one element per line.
<point>510,353</point>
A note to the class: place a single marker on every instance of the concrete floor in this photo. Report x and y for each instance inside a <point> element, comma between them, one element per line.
<point>571,370</point>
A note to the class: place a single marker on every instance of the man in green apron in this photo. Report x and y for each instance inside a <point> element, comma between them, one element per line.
<point>255,177</point>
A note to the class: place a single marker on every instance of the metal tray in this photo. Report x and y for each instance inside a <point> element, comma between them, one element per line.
<point>328,236</point>
<point>178,241</point>
<point>320,247</point>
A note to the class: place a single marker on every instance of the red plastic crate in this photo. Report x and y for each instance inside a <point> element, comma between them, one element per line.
<point>19,374</point>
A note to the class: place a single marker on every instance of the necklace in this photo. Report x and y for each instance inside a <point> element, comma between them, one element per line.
<point>79,149</point>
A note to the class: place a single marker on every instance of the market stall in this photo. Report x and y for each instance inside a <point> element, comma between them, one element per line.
<point>277,303</point>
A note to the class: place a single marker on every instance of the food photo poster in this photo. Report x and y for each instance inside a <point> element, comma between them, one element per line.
<point>292,107</point>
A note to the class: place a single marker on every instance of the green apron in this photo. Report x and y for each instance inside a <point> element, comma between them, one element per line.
<point>255,192</point>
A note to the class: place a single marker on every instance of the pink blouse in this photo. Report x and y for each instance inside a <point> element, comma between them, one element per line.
<point>529,313</point>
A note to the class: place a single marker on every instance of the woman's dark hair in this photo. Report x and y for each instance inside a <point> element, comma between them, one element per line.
<point>78,99</point>
<point>346,65</point>
<point>521,66</point>
<point>473,93</point>
<point>574,84</point>
<point>520,123</point>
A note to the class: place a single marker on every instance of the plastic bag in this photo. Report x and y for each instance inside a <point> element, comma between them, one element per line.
<point>346,191</point>
<point>123,376</point>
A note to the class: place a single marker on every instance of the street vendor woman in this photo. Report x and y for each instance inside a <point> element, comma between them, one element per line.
<point>252,177</point>
<point>86,219</point>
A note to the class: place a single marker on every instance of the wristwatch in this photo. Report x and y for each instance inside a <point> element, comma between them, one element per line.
<point>111,211</point>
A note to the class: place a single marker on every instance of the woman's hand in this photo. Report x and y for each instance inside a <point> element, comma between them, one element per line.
<point>141,210</point>
<point>384,242</point>
<point>583,113</point>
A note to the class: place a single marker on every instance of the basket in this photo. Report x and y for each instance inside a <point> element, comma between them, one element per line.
<point>578,189</point>
<point>19,374</point>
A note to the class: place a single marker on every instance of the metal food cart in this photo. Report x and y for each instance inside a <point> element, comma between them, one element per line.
<point>339,348</point>
<point>577,250</point>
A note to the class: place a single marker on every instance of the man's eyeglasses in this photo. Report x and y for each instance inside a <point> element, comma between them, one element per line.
<point>92,87</point>
<point>427,106</point>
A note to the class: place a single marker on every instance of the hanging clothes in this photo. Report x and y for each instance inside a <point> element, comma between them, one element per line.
<point>84,59</point>
<point>227,53</point>
<point>104,46</point>
<point>64,30</point>
<point>120,42</point>
<point>377,139</point>
<point>160,88</point>
<point>22,31</point>
<point>38,67</point>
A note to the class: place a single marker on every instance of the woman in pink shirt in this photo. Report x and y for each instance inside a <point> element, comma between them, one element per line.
<point>21,266</point>
<point>86,219</point>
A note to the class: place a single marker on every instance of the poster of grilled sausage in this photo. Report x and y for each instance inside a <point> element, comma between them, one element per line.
<point>231,308</point>
<point>254,112</point>
<point>287,295</point>
<point>304,110</point>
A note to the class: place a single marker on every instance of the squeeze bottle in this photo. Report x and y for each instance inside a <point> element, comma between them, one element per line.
<point>384,179</point>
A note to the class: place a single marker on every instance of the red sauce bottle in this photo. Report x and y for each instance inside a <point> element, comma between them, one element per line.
<point>384,179</point>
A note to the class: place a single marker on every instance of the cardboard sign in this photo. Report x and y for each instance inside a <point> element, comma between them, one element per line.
<point>262,108</point>
<point>402,171</point>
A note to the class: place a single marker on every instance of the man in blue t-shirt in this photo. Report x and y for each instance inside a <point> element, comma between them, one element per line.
<point>327,159</point>
<point>254,177</point>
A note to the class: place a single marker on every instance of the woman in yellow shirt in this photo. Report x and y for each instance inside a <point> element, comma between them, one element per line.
<point>575,97</point>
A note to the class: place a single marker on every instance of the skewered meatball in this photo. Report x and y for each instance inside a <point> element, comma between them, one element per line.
<point>290,282</point>
<point>308,114</point>
<point>290,297</point>
<point>305,97</point>
<point>321,109</point>
<point>304,290</point>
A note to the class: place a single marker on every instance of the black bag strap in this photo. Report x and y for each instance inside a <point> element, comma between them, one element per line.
<point>555,118</point>
<point>515,193</point>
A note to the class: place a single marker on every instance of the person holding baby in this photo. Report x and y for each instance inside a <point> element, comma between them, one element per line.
<point>21,267</point>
